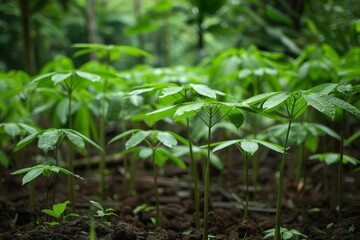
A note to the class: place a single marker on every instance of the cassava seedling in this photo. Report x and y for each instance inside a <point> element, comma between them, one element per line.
<point>103,213</point>
<point>210,113</point>
<point>268,104</point>
<point>179,97</point>
<point>47,171</point>
<point>153,139</point>
<point>69,81</point>
<point>108,53</point>
<point>248,147</point>
<point>51,139</point>
<point>58,212</point>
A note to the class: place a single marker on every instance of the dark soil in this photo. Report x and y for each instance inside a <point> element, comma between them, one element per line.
<point>308,206</point>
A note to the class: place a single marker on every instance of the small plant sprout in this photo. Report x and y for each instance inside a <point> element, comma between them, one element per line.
<point>108,53</point>
<point>248,148</point>
<point>210,114</point>
<point>153,139</point>
<point>51,139</point>
<point>290,106</point>
<point>47,171</point>
<point>176,97</point>
<point>103,213</point>
<point>58,212</point>
<point>286,234</point>
<point>68,81</point>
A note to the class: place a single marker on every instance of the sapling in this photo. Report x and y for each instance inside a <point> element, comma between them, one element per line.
<point>47,171</point>
<point>58,212</point>
<point>210,113</point>
<point>103,213</point>
<point>247,147</point>
<point>69,81</point>
<point>108,53</point>
<point>183,105</point>
<point>51,139</point>
<point>268,104</point>
<point>153,139</point>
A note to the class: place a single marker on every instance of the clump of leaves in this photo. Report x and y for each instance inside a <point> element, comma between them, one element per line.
<point>286,234</point>
<point>103,213</point>
<point>153,139</point>
<point>46,170</point>
<point>58,212</point>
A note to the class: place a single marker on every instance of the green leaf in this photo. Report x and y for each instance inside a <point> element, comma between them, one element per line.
<point>259,98</point>
<point>96,204</point>
<point>67,172</point>
<point>124,134</point>
<point>48,140</point>
<point>344,105</point>
<point>249,146</point>
<point>32,174</point>
<point>86,139</point>
<point>287,235</point>
<point>88,76</point>
<point>161,114</point>
<point>25,141</point>
<point>236,117</point>
<point>272,146</point>
<point>171,90</point>
<point>204,90</point>
<point>12,129</point>
<point>60,208</point>
<point>187,110</point>
<point>177,161</point>
<point>274,101</point>
<point>224,144</point>
<point>321,103</point>
<point>58,78</point>
<point>28,128</point>
<point>352,138</point>
<point>76,140</point>
<point>167,139</point>
<point>136,139</point>
<point>53,214</point>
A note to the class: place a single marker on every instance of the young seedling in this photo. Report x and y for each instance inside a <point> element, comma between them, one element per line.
<point>153,139</point>
<point>51,139</point>
<point>295,104</point>
<point>47,171</point>
<point>183,105</point>
<point>58,212</point>
<point>102,213</point>
<point>286,234</point>
<point>108,53</point>
<point>69,81</point>
<point>248,148</point>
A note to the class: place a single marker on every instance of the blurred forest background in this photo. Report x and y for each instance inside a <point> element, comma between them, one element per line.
<point>176,32</point>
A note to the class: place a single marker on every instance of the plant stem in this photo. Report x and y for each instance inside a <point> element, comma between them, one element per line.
<point>340,176</point>
<point>195,177</point>
<point>281,182</point>
<point>207,180</point>
<point>102,163</point>
<point>70,156</point>
<point>247,186</point>
<point>155,172</point>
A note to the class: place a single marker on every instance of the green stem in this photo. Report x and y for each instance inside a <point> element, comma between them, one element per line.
<point>102,163</point>
<point>247,186</point>
<point>155,172</point>
<point>281,183</point>
<point>207,180</point>
<point>70,157</point>
<point>195,177</point>
<point>340,176</point>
